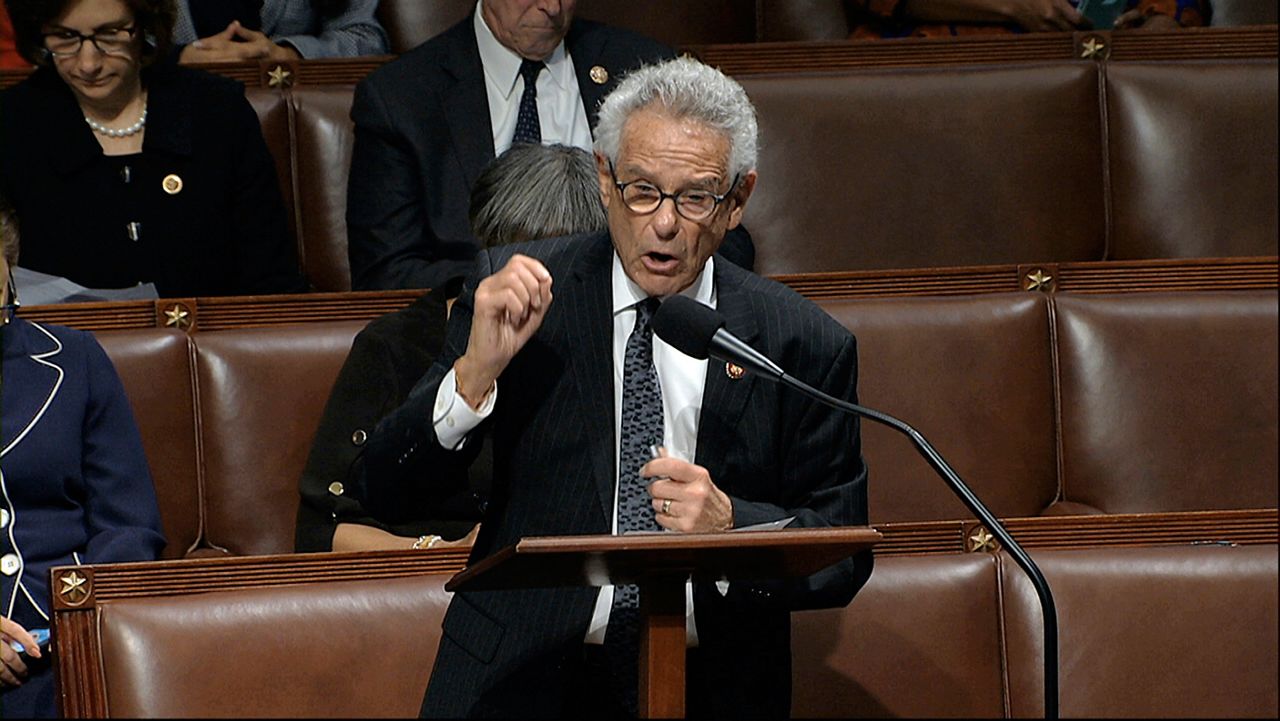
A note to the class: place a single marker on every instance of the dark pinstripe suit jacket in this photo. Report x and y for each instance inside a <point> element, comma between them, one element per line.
<point>773,452</point>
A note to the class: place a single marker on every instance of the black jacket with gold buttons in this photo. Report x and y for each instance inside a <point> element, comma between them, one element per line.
<point>197,212</point>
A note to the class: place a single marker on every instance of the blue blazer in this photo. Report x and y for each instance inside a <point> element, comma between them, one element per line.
<point>74,483</point>
<point>774,452</point>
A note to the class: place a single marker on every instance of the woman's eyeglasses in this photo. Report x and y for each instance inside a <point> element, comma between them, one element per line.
<point>112,41</point>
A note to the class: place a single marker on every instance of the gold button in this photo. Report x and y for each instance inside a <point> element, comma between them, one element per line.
<point>598,75</point>
<point>172,184</point>
<point>359,437</point>
<point>336,488</point>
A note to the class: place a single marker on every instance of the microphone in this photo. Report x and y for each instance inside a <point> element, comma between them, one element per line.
<point>698,331</point>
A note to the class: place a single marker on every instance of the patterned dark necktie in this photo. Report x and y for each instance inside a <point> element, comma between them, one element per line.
<point>641,428</point>
<point>528,128</point>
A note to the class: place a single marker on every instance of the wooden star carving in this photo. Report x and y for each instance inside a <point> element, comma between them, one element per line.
<point>280,78</point>
<point>981,540</point>
<point>74,588</point>
<point>1038,280</point>
<point>1093,47</point>
<point>177,317</point>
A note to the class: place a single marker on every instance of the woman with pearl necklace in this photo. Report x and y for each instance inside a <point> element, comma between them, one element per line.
<point>127,169</point>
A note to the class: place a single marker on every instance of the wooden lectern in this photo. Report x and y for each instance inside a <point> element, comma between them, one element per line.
<point>660,563</point>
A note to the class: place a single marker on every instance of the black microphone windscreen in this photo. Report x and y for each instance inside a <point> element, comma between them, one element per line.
<point>687,325</point>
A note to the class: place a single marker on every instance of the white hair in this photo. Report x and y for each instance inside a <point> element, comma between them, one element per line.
<point>687,89</point>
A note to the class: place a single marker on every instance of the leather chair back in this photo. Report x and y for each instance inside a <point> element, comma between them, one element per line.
<point>277,129</point>
<point>1192,149</point>
<point>975,376</point>
<point>155,368</point>
<point>1169,401</point>
<point>409,23</point>
<point>324,136</point>
<point>928,167</point>
<point>261,393</point>
<point>349,649</point>
<point>1243,12</point>
<point>920,640</point>
<point>1155,632</point>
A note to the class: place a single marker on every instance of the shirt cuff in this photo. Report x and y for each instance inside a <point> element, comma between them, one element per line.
<point>453,418</point>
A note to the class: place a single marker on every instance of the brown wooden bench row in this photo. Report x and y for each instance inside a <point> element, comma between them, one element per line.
<point>224,313</point>
<point>1145,631</point>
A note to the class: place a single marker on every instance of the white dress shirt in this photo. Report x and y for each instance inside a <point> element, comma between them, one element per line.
<point>560,111</point>
<point>681,378</point>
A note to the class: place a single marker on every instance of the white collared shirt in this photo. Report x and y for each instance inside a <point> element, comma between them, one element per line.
<point>682,379</point>
<point>560,111</point>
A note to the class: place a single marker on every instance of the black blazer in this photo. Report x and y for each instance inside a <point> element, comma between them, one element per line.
<point>423,135</point>
<point>775,453</point>
<point>386,360</point>
<point>224,233</point>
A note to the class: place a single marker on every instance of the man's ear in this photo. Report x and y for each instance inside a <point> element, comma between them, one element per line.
<point>605,178</point>
<point>739,198</point>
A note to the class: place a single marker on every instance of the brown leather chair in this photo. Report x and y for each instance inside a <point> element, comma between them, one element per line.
<point>261,393</point>
<point>277,129</point>
<point>324,138</point>
<point>679,22</point>
<point>1186,183</point>
<point>409,23</point>
<point>975,376</point>
<point>155,367</point>
<point>927,167</point>
<point>1242,12</point>
<point>1158,632</point>
<point>1168,401</point>
<point>921,640</point>
<point>803,20</point>
<point>348,649</point>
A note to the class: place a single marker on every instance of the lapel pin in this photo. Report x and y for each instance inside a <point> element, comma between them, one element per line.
<point>734,371</point>
<point>172,184</point>
<point>599,75</point>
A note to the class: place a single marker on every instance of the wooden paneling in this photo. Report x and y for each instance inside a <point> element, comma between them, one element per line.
<point>212,314</point>
<point>1259,41</point>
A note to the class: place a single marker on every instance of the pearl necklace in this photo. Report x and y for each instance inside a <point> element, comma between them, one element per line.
<point>122,132</point>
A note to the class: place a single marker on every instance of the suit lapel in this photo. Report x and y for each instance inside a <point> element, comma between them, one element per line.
<point>465,103</point>
<point>723,397</point>
<point>587,52</point>
<point>31,381</point>
<point>591,321</point>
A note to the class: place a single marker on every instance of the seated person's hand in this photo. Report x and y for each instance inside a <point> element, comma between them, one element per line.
<point>1047,15</point>
<point>235,44</point>
<point>1135,19</point>
<point>684,498</point>
<point>12,670</point>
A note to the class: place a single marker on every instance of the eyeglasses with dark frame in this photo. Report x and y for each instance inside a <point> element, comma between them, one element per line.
<point>643,198</point>
<point>111,41</point>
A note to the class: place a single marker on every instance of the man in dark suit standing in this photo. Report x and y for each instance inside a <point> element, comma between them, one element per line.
<point>575,390</point>
<point>427,123</point>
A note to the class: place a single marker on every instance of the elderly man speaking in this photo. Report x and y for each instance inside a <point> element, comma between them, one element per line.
<point>550,350</point>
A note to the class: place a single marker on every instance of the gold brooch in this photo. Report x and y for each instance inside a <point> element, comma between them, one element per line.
<point>734,371</point>
<point>599,75</point>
